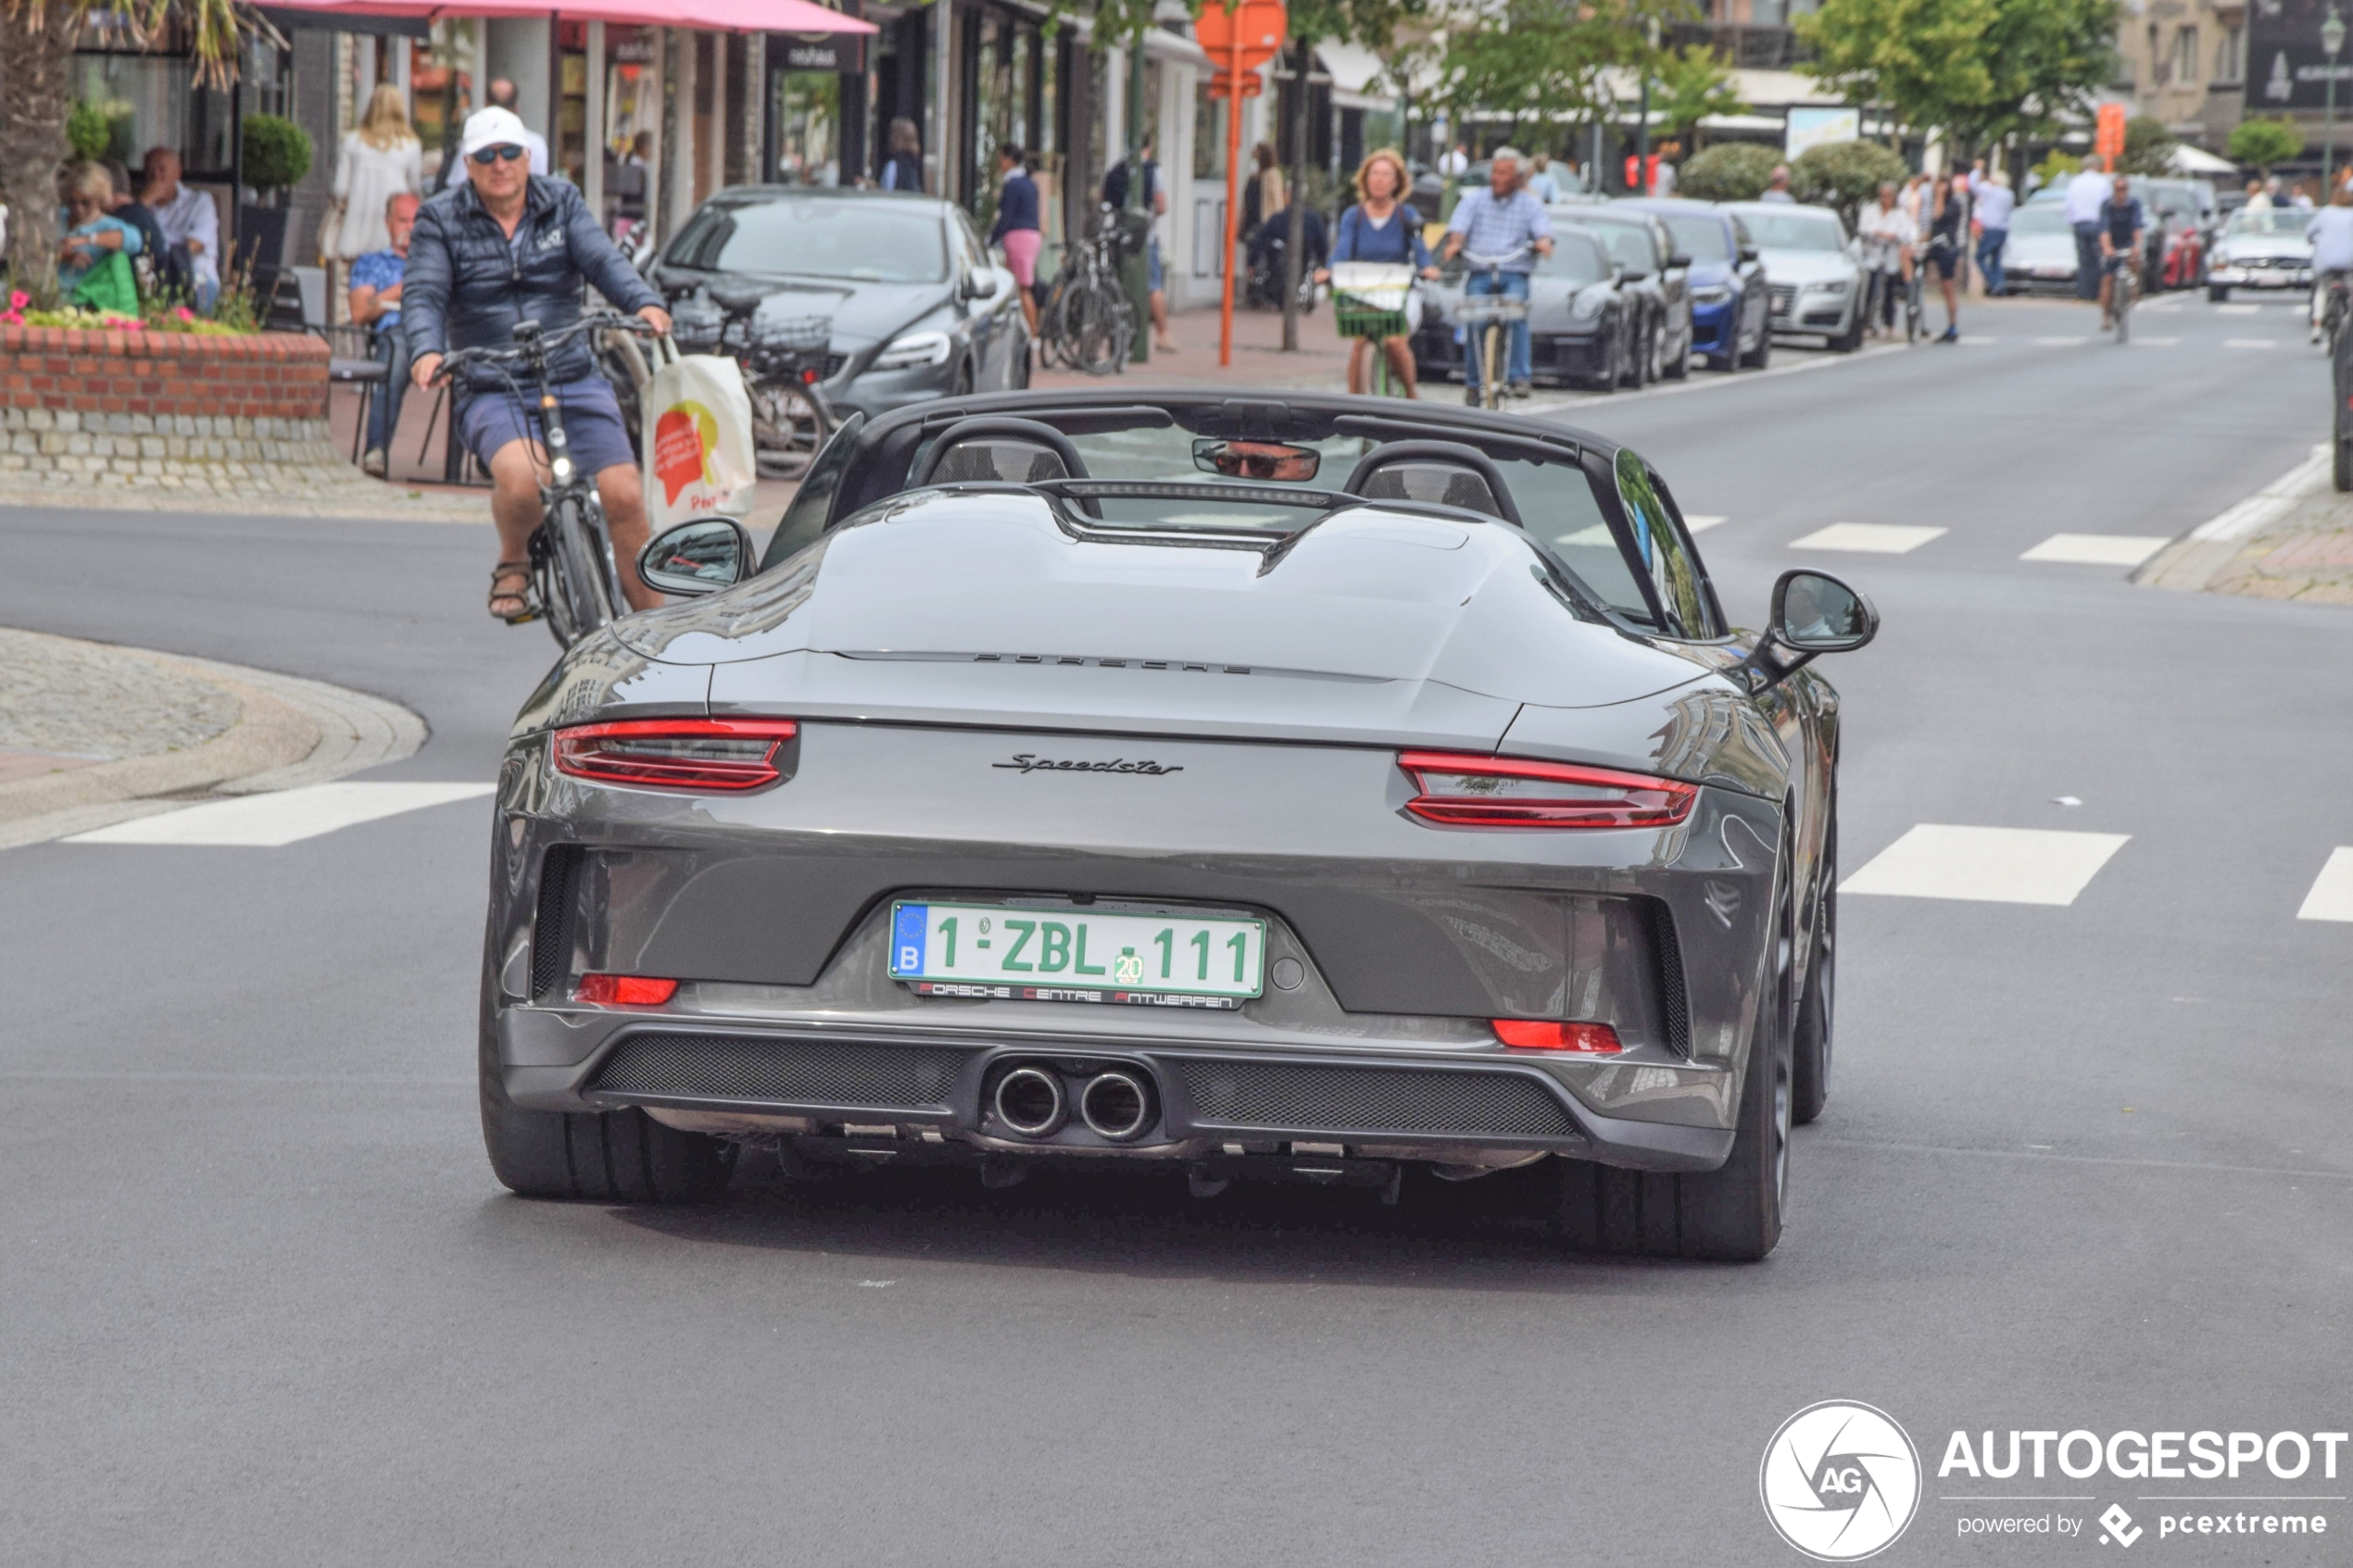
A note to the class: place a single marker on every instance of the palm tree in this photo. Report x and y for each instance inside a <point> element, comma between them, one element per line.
<point>37,40</point>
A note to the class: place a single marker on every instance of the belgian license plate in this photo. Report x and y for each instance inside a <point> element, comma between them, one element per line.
<point>1076,955</point>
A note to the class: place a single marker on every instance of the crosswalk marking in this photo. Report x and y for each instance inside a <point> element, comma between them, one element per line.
<point>1988,865</point>
<point>2236,309</point>
<point>1870,539</point>
<point>2155,343</point>
<point>2250,343</point>
<point>286,817</point>
<point>2097,549</point>
<point>2060,342</point>
<point>2331,894</point>
<point>1703,523</point>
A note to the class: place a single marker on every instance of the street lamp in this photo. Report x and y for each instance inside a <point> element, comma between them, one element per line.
<point>2331,40</point>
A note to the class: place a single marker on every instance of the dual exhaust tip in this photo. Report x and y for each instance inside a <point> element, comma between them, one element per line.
<point>1115,1106</point>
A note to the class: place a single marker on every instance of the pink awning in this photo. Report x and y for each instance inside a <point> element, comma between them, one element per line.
<point>711,16</point>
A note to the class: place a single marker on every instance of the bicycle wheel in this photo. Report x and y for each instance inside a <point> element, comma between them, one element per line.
<point>787,429</point>
<point>578,576</point>
<point>624,364</point>
<point>2125,290</point>
<point>1912,309</point>
<point>1104,330</point>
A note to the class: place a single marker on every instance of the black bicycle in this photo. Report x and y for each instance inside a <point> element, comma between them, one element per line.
<point>576,585</point>
<point>784,362</point>
<point>1087,322</point>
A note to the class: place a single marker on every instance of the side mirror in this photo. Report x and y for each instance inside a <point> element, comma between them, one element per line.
<point>1814,613</point>
<point>981,283</point>
<point>1679,258</point>
<point>1748,253</point>
<point>701,556</point>
<point>1635,274</point>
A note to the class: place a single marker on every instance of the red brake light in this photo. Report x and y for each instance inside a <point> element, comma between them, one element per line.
<point>1543,1035</point>
<point>675,753</point>
<point>1510,792</point>
<point>624,990</point>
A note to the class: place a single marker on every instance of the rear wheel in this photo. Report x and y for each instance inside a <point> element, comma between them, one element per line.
<point>1679,366</point>
<point>619,1157</point>
<point>1761,355</point>
<point>788,428</point>
<point>1732,1214</point>
<point>2217,296</point>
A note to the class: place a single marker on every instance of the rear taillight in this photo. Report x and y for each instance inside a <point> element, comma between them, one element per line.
<point>1543,1035</point>
<point>675,753</point>
<point>624,990</point>
<point>1509,792</point>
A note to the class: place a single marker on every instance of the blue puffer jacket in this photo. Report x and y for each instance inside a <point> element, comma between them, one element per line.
<point>467,287</point>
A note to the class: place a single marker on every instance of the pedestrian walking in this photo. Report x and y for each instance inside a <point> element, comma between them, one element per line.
<point>1888,236</point>
<point>1542,183</point>
<point>2084,194</point>
<point>1016,228</point>
<point>1947,239</point>
<point>1776,188</point>
<point>376,279</point>
<point>903,170</point>
<point>1994,201</point>
<point>378,161</point>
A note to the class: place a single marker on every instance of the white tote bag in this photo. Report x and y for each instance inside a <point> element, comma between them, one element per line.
<point>699,455</point>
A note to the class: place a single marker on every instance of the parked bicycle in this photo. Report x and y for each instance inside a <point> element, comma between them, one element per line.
<point>784,362</point>
<point>576,585</point>
<point>1490,317</point>
<point>1087,322</point>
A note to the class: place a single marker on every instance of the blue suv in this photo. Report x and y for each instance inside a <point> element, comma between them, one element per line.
<point>1731,309</point>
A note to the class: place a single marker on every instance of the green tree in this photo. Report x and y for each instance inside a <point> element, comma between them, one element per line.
<point>1845,175</point>
<point>1535,63</point>
<point>1730,171</point>
<point>1921,59</point>
<point>2148,146</point>
<point>37,38</point>
<point>277,153</point>
<point>2045,60</point>
<point>2265,142</point>
<point>1689,85</point>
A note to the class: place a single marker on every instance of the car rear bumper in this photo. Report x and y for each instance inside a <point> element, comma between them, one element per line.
<point>2260,277</point>
<point>828,1080</point>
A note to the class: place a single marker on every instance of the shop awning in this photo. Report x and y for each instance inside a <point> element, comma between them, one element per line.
<point>709,16</point>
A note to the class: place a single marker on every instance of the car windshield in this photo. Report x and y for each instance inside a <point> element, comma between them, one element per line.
<point>1793,230</point>
<point>2046,220</point>
<point>1576,261</point>
<point>2276,221</point>
<point>871,241</point>
<point>1702,239</point>
<point>1629,243</point>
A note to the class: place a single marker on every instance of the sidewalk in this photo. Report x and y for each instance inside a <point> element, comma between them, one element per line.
<point>1259,364</point>
<point>2292,539</point>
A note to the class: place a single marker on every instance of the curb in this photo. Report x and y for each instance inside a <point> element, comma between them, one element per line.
<point>289,731</point>
<point>2195,558</point>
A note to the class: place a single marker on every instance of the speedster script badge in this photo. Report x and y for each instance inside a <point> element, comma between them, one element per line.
<point>1031,762</point>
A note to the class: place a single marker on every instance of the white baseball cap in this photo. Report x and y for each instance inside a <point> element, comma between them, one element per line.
<point>493,128</point>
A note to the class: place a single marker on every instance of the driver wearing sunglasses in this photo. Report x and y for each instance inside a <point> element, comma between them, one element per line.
<point>509,245</point>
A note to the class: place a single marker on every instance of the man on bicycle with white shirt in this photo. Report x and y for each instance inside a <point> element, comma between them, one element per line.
<point>1503,220</point>
<point>2331,233</point>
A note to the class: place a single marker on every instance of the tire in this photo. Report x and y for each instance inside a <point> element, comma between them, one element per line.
<point>1732,1214</point>
<point>1679,366</point>
<point>788,429</point>
<point>1810,1047</point>
<point>579,599</point>
<point>1851,339</point>
<point>618,1156</point>
<point>2344,465</point>
<point>1613,362</point>
<point>1761,356</point>
<point>2217,296</point>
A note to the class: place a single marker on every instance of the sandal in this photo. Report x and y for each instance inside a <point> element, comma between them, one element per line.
<point>513,572</point>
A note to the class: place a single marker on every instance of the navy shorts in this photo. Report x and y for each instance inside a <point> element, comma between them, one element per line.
<point>592,424</point>
<point>1945,261</point>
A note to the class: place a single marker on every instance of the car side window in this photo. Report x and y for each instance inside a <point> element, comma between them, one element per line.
<point>968,244</point>
<point>1662,552</point>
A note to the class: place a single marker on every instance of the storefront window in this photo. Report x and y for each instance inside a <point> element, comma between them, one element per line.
<point>806,115</point>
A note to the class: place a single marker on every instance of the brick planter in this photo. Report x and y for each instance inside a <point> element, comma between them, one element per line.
<point>166,411</point>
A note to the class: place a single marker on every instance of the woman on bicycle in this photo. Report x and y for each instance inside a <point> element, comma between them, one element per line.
<point>1947,228</point>
<point>1379,228</point>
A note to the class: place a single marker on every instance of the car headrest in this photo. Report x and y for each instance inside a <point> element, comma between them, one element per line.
<point>998,450</point>
<point>1444,472</point>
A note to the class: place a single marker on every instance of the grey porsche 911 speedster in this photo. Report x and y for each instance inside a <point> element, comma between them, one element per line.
<point>1303,788</point>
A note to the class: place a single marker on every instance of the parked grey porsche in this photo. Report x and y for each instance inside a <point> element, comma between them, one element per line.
<point>1299,789</point>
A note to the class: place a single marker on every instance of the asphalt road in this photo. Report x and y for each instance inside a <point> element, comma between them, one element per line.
<point>2085,1164</point>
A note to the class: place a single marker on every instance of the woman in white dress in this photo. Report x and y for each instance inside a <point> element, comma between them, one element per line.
<point>379,161</point>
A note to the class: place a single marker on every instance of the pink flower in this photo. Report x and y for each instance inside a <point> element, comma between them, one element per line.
<point>185,314</point>
<point>18,299</point>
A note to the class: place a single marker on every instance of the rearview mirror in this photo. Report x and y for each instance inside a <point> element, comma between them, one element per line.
<point>1814,612</point>
<point>1256,459</point>
<point>701,556</point>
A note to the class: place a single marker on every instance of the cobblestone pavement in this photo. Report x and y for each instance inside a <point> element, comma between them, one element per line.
<point>2308,554</point>
<point>66,703</point>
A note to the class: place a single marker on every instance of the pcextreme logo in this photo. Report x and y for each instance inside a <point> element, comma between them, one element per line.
<point>1841,1481</point>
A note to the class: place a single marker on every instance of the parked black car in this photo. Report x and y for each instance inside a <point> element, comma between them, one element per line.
<point>918,312</point>
<point>1582,319</point>
<point>1657,275</point>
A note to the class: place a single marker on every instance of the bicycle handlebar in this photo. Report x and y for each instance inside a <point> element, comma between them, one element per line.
<point>531,343</point>
<point>1514,255</point>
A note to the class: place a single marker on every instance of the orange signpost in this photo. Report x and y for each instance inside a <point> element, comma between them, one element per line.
<point>2107,136</point>
<point>1238,38</point>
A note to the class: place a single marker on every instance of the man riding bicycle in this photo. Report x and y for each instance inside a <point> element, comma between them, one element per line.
<point>2122,228</point>
<point>2331,233</point>
<point>1503,220</point>
<point>507,247</point>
